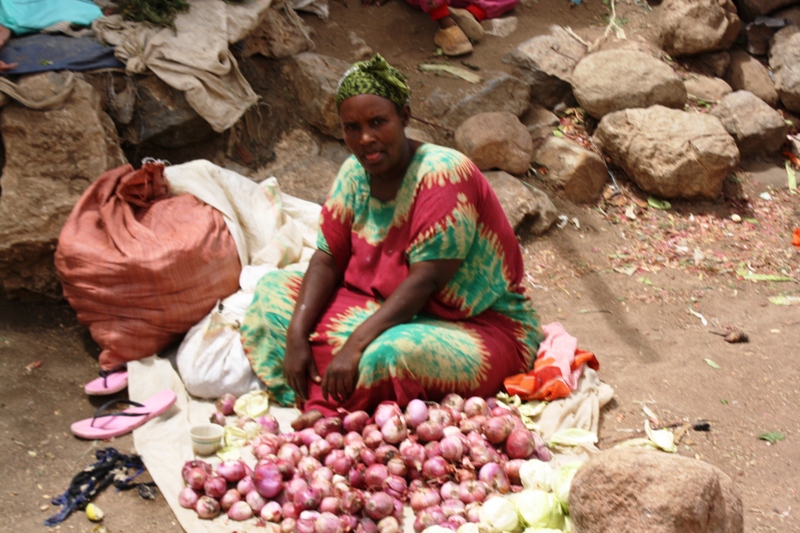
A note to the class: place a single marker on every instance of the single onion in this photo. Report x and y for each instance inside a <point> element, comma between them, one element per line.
<point>187,498</point>
<point>206,507</point>
<point>396,487</point>
<point>196,478</point>
<point>369,427</point>
<point>324,486</point>
<point>495,478</point>
<point>353,451</point>
<point>229,498</point>
<point>385,452</point>
<point>374,438</point>
<point>290,452</point>
<point>452,430</point>
<point>424,498</point>
<point>385,411</point>
<point>413,455</point>
<point>305,525</point>
<point>375,475</point>
<point>307,499</point>
<point>353,437</point>
<point>481,454</point>
<point>468,424</point>
<point>430,431</point>
<point>328,523</point>
<point>520,444</point>
<point>307,436</point>
<point>286,468</point>
<point>329,504</point>
<point>449,490</point>
<point>367,525</point>
<point>435,468</point>
<point>340,464</point>
<point>437,415</point>
<point>225,403</point>
<point>542,451</point>
<point>511,468</point>
<point>188,465</point>
<point>491,403</point>
<point>465,474</point>
<point>457,520</point>
<point>394,430</point>
<point>498,429</point>
<point>245,485</point>
<point>355,477</point>
<point>379,505</point>
<point>287,525</point>
<point>417,412</point>
<point>257,502</point>
<point>215,487</point>
<point>397,466</point>
<point>323,473</point>
<point>349,522</point>
<point>324,426</point>
<point>320,448</point>
<point>453,401</point>
<point>368,456</point>
<point>429,517</point>
<point>294,486</point>
<point>416,485</point>
<point>308,465</point>
<point>290,510</point>
<point>453,507</point>
<point>267,479</point>
<point>355,421</point>
<point>240,511</point>
<point>475,406</point>
<point>217,418</point>
<point>336,440</point>
<point>452,448</point>
<point>232,471</point>
<point>499,411</point>
<point>471,491</point>
<point>474,512</point>
<point>352,502</point>
<point>432,449</point>
<point>270,511</point>
<point>269,424</point>
<point>389,524</point>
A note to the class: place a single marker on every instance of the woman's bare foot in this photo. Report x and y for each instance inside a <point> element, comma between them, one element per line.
<point>305,420</point>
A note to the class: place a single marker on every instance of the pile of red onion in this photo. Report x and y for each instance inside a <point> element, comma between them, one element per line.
<point>356,473</point>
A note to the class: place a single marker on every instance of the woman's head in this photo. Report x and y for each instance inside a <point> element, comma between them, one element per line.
<point>374,111</point>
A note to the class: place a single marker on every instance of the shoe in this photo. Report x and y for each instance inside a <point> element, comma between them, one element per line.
<point>452,41</point>
<point>106,425</point>
<point>468,24</point>
<point>109,382</point>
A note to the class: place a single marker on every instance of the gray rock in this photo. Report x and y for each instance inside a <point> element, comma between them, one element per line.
<point>634,43</point>
<point>784,58</point>
<point>701,87</point>
<point>713,64</point>
<point>750,9</point>
<point>669,153</point>
<point>760,31</point>
<point>312,79</point>
<point>496,140</point>
<point>746,73</point>
<point>300,168</point>
<point>277,36</point>
<point>757,128</point>
<point>573,172</point>
<point>501,93</point>
<point>51,157</point>
<point>627,490</point>
<point>524,205</point>
<point>691,27</point>
<point>620,79</point>
<point>545,62</point>
<point>540,122</point>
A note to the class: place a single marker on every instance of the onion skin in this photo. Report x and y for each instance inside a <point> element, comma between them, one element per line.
<point>396,487</point>
<point>449,490</point>
<point>453,401</point>
<point>207,507</point>
<point>394,431</point>
<point>217,418</point>
<point>187,498</point>
<point>288,510</point>
<point>352,502</point>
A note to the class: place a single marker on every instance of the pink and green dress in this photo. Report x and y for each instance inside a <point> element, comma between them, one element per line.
<point>477,330</point>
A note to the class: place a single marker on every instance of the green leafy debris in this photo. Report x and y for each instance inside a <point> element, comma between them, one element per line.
<point>752,276</point>
<point>711,363</point>
<point>772,437</point>
<point>658,204</point>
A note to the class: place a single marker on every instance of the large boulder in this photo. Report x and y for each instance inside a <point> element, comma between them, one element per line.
<point>545,62</point>
<point>500,93</point>
<point>51,158</point>
<point>620,79</point>
<point>277,35</point>
<point>574,172</point>
<point>691,27</point>
<point>750,9</point>
<point>746,73</point>
<point>313,79</point>
<point>784,58</point>
<point>708,89</point>
<point>712,64</point>
<point>669,153</point>
<point>496,140</point>
<point>631,490</point>
<point>757,128</point>
<point>540,122</point>
<point>524,205</point>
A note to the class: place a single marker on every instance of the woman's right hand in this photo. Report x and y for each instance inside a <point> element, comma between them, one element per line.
<point>299,366</point>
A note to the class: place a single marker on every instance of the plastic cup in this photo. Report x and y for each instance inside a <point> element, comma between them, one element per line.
<point>206,438</point>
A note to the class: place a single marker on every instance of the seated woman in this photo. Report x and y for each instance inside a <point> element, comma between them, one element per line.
<point>415,290</point>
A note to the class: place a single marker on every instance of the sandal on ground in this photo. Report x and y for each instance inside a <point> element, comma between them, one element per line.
<point>106,425</point>
<point>452,41</point>
<point>109,382</point>
<point>468,23</point>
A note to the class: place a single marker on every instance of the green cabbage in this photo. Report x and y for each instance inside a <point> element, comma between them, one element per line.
<point>539,509</point>
<point>536,474</point>
<point>499,513</point>
<point>562,480</point>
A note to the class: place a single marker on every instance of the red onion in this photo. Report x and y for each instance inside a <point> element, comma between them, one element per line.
<point>328,523</point>
<point>397,466</point>
<point>196,478</point>
<point>451,430</point>
<point>518,423</point>
<point>379,505</point>
<point>475,406</point>
<point>470,424</point>
<point>424,498</point>
<point>385,411</point>
<point>305,525</point>
<point>417,412</point>
<point>471,491</point>
<point>287,525</point>
<point>367,525</point>
<point>416,485</point>
<point>453,507</point>
<point>294,486</point>
<point>329,504</point>
<point>430,431</point>
<point>286,468</point>
<point>368,456</point>
<point>267,479</point>
<point>369,427</point>
<point>217,418</point>
<point>206,507</point>
<point>389,525</point>
<point>215,487</point>
<point>188,465</point>
<point>542,451</point>
<point>498,429</point>
<point>440,416</point>
<point>336,440</point>
<point>373,438</point>
<point>325,426</point>
<point>385,452</point>
<point>396,487</point>
<point>229,498</point>
<point>413,455</point>
<point>353,451</point>
<point>308,465</point>
<point>465,474</point>
<point>491,403</point>
<point>341,464</point>
<point>355,421</point>
<point>394,430</point>
<point>269,424</point>
<point>232,471</point>
<point>307,499</point>
<point>225,403</point>
<point>270,511</point>
<point>435,468</point>
<point>457,520</point>
<point>495,478</point>
<point>353,437</point>
<point>452,448</point>
<point>356,477</point>
<point>242,421</point>
<point>474,512</point>
<point>256,502</point>
<point>323,473</point>
<point>454,401</point>
<point>324,486</point>
<point>245,485</point>
<point>511,468</point>
<point>432,449</point>
<point>349,522</point>
<point>449,524</point>
<point>449,490</point>
<point>352,502</point>
<point>481,454</point>
<point>499,411</point>
<point>320,448</point>
<point>307,436</point>
<point>289,510</point>
<point>375,475</point>
<point>240,511</point>
<point>290,452</point>
<point>428,517</point>
<point>520,444</point>
<point>187,498</point>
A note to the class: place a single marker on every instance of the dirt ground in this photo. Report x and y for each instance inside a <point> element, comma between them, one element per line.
<point>599,276</point>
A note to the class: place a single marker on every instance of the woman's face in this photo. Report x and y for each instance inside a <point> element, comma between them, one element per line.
<point>375,133</point>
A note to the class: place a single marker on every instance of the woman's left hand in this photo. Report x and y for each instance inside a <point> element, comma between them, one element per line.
<point>341,376</point>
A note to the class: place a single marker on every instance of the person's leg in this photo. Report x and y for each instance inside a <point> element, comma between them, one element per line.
<point>490,9</point>
<point>450,37</point>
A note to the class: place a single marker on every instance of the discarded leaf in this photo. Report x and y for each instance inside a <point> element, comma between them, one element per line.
<point>724,401</point>
<point>752,276</point>
<point>750,220</point>
<point>658,204</point>
<point>782,299</point>
<point>454,71</point>
<point>649,412</point>
<point>791,177</point>
<point>646,281</point>
<point>663,438</point>
<point>698,315</point>
<point>558,133</point>
<point>711,363</point>
<point>573,437</point>
<point>772,437</point>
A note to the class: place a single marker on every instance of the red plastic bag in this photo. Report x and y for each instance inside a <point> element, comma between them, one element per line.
<point>141,267</point>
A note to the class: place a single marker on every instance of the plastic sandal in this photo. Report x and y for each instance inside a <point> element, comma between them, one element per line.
<point>109,382</point>
<point>106,425</point>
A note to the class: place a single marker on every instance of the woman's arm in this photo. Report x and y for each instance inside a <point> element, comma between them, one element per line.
<point>424,279</point>
<point>319,282</point>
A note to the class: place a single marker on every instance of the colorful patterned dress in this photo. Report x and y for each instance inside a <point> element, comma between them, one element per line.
<point>477,330</point>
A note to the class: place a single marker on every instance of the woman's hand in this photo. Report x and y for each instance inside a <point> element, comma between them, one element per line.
<point>298,366</point>
<point>341,376</point>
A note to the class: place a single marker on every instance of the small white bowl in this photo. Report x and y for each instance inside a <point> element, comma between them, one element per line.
<point>206,438</point>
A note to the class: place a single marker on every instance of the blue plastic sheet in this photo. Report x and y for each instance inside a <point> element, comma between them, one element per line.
<point>42,52</point>
<point>29,16</point>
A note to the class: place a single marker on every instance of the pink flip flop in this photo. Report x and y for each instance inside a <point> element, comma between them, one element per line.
<point>109,382</point>
<point>106,425</point>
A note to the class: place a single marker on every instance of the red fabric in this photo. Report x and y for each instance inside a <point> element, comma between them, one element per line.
<point>796,237</point>
<point>140,267</point>
<point>440,12</point>
<point>479,13</point>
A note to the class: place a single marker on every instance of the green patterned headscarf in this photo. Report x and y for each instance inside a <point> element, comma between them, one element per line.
<point>377,77</point>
